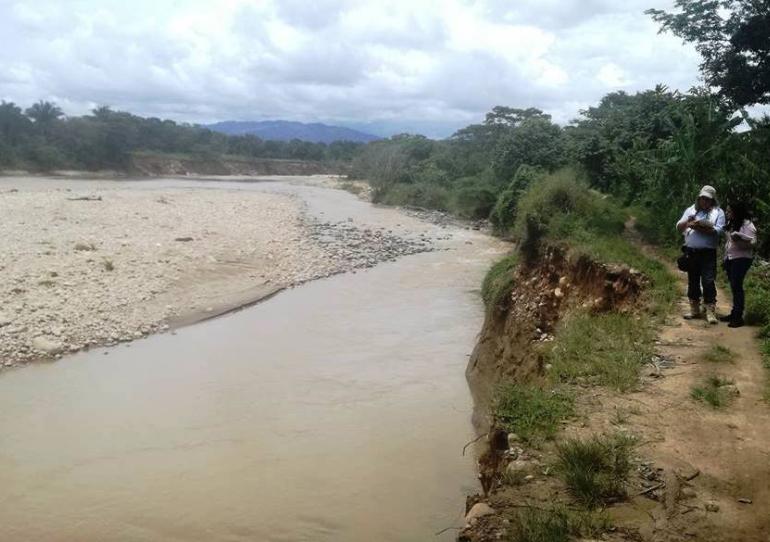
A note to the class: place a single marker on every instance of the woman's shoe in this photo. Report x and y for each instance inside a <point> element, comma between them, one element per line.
<point>738,322</point>
<point>711,314</point>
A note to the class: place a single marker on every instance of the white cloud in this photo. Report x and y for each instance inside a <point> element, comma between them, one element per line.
<point>394,64</point>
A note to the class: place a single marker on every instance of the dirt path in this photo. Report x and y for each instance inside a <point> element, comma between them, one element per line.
<point>729,448</point>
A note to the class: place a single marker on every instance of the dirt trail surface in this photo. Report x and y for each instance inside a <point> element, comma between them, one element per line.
<point>88,263</point>
<point>726,450</point>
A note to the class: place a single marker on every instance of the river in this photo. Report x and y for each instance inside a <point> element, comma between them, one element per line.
<point>334,411</point>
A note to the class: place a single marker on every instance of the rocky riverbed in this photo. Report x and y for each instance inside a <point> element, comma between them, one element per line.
<point>86,265</point>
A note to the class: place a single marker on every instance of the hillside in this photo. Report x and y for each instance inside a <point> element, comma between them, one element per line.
<point>282,130</point>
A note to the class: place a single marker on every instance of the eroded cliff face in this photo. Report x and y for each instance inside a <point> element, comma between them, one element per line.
<point>510,345</point>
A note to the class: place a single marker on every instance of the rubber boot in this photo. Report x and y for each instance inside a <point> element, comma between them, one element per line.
<point>695,311</point>
<point>711,314</point>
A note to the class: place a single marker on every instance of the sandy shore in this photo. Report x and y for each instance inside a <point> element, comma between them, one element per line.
<point>85,266</point>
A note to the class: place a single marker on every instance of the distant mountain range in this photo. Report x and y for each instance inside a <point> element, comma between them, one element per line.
<point>284,130</point>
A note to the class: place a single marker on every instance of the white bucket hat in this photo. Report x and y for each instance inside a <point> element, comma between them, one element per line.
<point>708,192</point>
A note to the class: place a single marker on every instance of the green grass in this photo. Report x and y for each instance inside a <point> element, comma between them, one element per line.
<point>714,391</point>
<point>758,297</point>
<point>534,414</point>
<point>596,470</point>
<point>719,354</point>
<point>606,349</point>
<point>498,282</point>
<point>556,524</point>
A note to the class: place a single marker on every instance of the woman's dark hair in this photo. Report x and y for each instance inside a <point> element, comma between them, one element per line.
<point>741,213</point>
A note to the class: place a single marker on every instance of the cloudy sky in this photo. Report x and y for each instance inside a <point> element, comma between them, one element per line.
<point>386,66</point>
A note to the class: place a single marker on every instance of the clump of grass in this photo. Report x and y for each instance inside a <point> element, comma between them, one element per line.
<point>534,414</point>
<point>715,391</point>
<point>48,283</point>
<point>556,524</point>
<point>498,282</point>
<point>108,265</point>
<point>719,354</point>
<point>596,470</point>
<point>607,349</point>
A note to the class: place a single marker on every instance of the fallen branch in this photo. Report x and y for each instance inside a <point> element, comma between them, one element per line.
<point>86,198</point>
<point>474,441</point>
<point>651,489</point>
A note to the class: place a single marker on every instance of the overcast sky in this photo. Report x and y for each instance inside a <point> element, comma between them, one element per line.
<point>390,66</point>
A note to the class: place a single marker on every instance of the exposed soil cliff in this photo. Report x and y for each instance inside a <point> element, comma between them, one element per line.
<point>696,471</point>
<point>543,291</point>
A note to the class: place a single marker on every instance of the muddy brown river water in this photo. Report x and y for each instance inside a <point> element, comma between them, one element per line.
<point>334,411</point>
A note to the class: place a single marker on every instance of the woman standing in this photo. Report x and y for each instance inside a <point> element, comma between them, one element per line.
<point>739,255</point>
<point>701,225</point>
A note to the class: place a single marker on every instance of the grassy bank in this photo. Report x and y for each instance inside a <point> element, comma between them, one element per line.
<point>589,348</point>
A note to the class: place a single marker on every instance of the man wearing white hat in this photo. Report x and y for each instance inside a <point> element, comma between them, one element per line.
<point>702,224</point>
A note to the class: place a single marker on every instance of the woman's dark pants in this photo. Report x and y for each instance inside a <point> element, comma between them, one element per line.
<point>736,272</point>
<point>703,272</point>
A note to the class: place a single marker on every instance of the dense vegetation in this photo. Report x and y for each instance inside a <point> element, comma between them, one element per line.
<point>42,138</point>
<point>651,150</point>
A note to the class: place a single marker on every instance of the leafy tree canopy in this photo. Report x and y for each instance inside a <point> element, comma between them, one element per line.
<point>733,37</point>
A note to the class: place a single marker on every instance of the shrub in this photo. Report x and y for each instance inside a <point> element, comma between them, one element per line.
<point>562,207</point>
<point>596,470</point>
<point>534,414</point>
<point>503,215</point>
<point>474,202</point>
<point>758,295</point>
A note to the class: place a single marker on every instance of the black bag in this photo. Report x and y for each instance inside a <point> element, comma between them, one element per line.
<point>684,262</point>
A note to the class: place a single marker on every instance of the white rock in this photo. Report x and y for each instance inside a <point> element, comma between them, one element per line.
<point>47,345</point>
<point>4,320</point>
<point>479,510</point>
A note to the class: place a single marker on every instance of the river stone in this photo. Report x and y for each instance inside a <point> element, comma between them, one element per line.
<point>47,345</point>
<point>5,320</point>
<point>479,510</point>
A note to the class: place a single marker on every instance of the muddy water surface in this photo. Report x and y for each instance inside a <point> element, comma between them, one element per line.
<point>334,411</point>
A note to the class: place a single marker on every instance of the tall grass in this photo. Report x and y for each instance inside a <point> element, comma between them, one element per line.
<point>596,470</point>
<point>534,414</point>
<point>606,349</point>
<point>557,524</point>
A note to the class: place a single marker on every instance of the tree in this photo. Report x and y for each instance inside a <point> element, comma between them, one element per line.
<point>14,126</point>
<point>733,37</point>
<point>44,113</point>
